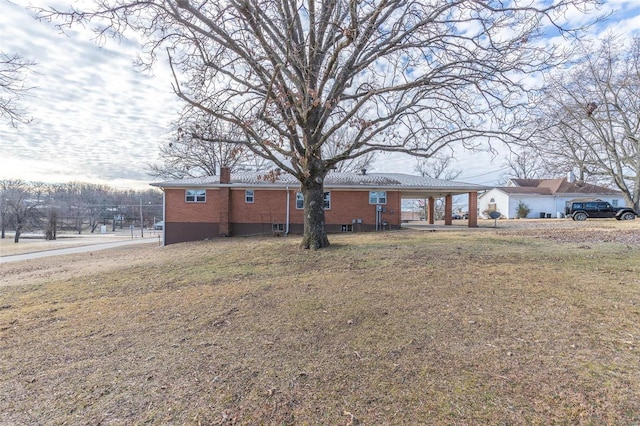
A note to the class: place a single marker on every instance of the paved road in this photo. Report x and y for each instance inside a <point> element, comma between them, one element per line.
<point>73,250</point>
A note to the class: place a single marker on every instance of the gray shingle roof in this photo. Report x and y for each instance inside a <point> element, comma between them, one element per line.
<point>333,180</point>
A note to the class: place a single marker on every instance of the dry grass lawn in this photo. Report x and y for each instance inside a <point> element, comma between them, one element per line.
<point>407,327</point>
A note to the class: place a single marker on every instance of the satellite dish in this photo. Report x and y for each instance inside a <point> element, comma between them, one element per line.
<point>495,216</point>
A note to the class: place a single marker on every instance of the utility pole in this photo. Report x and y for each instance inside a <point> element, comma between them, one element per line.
<point>141,220</point>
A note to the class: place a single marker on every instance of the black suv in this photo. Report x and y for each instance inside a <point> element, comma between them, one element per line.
<point>581,210</point>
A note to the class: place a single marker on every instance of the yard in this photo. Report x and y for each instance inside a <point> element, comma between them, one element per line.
<point>513,325</point>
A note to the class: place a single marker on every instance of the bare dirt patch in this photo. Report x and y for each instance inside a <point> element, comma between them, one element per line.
<point>487,327</point>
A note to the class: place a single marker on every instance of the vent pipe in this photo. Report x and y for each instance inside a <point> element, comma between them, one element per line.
<point>571,178</point>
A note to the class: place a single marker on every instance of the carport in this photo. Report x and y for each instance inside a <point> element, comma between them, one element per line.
<point>431,189</point>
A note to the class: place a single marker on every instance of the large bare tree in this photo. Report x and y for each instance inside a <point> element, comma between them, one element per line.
<point>407,76</point>
<point>588,117</point>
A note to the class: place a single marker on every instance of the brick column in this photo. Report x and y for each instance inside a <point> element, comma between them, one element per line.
<point>448,209</point>
<point>432,210</point>
<point>473,210</point>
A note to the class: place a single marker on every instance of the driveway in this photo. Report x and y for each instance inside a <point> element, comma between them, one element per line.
<point>80,249</point>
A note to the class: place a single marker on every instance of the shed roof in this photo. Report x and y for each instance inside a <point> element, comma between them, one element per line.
<point>559,186</point>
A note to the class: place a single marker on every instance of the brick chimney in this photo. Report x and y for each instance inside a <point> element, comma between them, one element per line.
<point>225,174</point>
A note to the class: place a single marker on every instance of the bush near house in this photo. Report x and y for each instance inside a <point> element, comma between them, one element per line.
<point>522,211</point>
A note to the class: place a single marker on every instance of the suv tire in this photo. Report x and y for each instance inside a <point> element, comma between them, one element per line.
<point>581,216</point>
<point>628,216</point>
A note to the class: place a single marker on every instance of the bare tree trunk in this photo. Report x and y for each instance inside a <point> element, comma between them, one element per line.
<point>16,238</point>
<point>315,234</point>
<point>51,232</point>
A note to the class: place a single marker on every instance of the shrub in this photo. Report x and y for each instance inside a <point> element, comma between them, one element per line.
<point>522,211</point>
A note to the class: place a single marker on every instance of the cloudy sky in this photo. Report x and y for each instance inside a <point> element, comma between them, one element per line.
<point>97,119</point>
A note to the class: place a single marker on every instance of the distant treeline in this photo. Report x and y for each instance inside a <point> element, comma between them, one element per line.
<point>73,206</point>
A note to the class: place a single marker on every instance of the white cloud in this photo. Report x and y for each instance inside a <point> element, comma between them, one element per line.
<point>94,116</point>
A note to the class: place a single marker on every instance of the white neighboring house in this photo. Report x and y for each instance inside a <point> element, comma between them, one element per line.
<point>544,197</point>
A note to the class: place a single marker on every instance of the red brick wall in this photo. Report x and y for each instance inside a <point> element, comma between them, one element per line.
<point>178,210</point>
<point>269,207</point>
<point>349,205</point>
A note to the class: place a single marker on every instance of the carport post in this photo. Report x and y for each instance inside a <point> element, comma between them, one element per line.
<point>473,210</point>
<point>448,209</point>
<point>431,206</point>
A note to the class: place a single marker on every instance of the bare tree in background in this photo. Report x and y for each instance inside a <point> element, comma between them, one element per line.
<point>437,167</point>
<point>23,207</point>
<point>523,164</point>
<point>14,70</point>
<point>589,117</point>
<point>8,188</point>
<point>408,77</point>
<point>199,148</point>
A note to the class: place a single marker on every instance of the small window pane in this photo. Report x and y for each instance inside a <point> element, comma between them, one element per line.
<point>195,195</point>
<point>248,196</point>
<point>378,197</point>
<point>325,205</point>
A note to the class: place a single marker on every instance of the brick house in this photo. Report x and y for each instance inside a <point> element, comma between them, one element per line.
<point>248,204</point>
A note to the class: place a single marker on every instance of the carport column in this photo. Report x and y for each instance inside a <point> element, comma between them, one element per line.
<point>431,210</point>
<point>225,177</point>
<point>448,209</point>
<point>473,210</point>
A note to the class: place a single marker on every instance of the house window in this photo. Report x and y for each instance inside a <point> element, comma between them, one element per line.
<point>195,195</point>
<point>249,196</point>
<point>278,227</point>
<point>327,201</point>
<point>300,201</point>
<point>378,197</point>
<point>347,228</point>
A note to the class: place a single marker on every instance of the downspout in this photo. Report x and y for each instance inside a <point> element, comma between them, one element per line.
<point>286,231</point>
<point>164,214</point>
